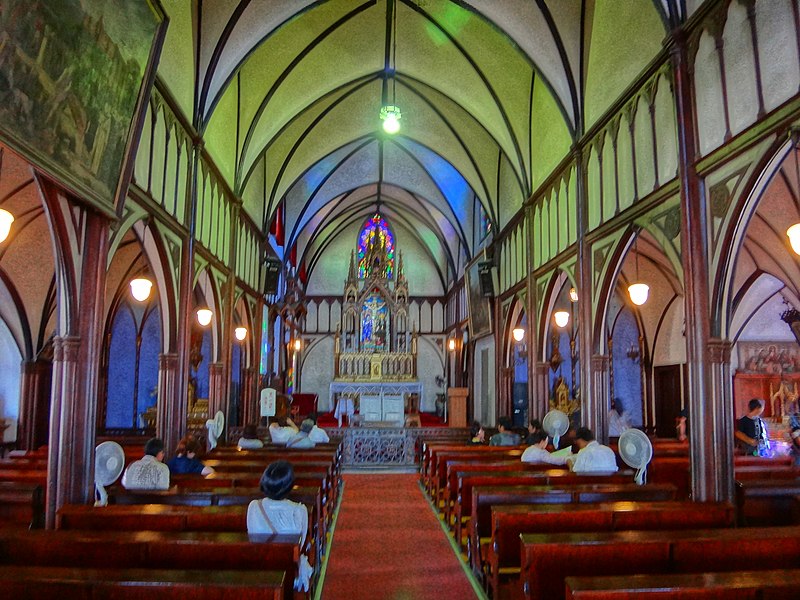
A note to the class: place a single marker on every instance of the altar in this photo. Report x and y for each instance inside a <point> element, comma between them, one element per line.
<point>374,400</point>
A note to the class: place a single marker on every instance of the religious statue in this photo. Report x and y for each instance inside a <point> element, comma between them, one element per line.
<point>560,399</point>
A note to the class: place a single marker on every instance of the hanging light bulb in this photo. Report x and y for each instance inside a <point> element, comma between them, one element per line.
<point>794,231</point>
<point>391,115</point>
<point>518,334</point>
<point>204,315</point>
<point>451,344</point>
<point>140,288</point>
<point>638,291</point>
<point>297,345</point>
<point>561,317</point>
<point>240,332</point>
<point>573,294</point>
<point>6,219</point>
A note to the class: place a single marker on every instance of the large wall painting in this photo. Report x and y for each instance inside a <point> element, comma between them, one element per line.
<point>771,358</point>
<point>478,306</point>
<point>74,76</point>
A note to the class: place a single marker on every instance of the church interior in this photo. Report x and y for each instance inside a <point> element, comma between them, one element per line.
<point>393,219</point>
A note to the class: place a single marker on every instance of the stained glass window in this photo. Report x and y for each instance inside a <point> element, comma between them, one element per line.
<point>375,249</point>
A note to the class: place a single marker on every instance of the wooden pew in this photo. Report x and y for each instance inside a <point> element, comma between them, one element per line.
<point>509,521</point>
<point>21,505</point>
<point>547,559</point>
<point>439,455</point>
<point>152,550</point>
<point>744,585</point>
<point>484,497</point>
<point>766,502</point>
<point>56,583</point>
<point>554,477</point>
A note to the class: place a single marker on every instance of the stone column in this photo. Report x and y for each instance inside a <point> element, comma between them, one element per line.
<point>721,404</point>
<point>169,422</point>
<point>34,391</point>
<point>600,389</point>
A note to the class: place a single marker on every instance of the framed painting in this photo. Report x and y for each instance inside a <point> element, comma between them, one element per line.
<point>75,76</point>
<point>479,308</point>
<point>769,358</point>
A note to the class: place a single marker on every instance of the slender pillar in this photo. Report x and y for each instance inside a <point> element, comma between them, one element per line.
<point>721,403</point>
<point>248,395</point>
<point>711,469</point>
<point>167,395</point>
<point>600,386</point>
<point>591,405</point>
<point>216,389</point>
<point>541,384</point>
<point>34,391</point>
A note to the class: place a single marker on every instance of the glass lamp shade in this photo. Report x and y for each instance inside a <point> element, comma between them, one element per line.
<point>297,345</point>
<point>793,232</point>
<point>561,317</point>
<point>451,344</point>
<point>573,295</point>
<point>391,115</point>
<point>240,333</point>
<point>140,288</point>
<point>204,315</point>
<point>518,333</point>
<point>638,293</point>
<point>6,219</point>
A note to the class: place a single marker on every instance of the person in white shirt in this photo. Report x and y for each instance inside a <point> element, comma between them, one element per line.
<point>277,514</point>
<point>537,452</point>
<point>150,472</point>
<point>249,439</point>
<point>593,457</point>
<point>317,435</point>
<point>281,430</point>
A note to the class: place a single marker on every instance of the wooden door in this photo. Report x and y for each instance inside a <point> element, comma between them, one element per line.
<point>668,397</point>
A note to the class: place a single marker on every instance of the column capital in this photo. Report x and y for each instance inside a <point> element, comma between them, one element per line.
<point>65,348</point>
<point>168,361</point>
<point>719,351</point>
<point>600,362</point>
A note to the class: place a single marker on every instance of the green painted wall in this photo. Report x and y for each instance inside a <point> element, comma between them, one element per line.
<point>176,67</point>
<point>551,139</point>
<point>626,35</point>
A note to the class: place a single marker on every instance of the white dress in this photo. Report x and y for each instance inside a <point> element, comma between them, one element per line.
<point>282,516</point>
<point>146,474</point>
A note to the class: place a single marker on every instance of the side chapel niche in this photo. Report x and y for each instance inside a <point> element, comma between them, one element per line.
<point>373,340</point>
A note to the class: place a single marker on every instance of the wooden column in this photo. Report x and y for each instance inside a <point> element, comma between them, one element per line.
<point>33,400</point>
<point>249,396</point>
<point>216,389</point>
<point>712,469</point>
<point>592,408</point>
<point>721,403</point>
<point>167,393</point>
<point>541,390</point>
<point>600,387</point>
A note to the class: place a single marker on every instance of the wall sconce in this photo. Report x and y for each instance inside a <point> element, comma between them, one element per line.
<point>518,333</point>
<point>633,353</point>
<point>240,333</point>
<point>561,317</point>
<point>6,219</point>
<point>204,315</point>
<point>794,231</point>
<point>140,288</point>
<point>573,295</point>
<point>297,345</point>
<point>451,344</point>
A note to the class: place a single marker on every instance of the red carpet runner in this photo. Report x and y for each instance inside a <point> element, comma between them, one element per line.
<point>389,545</point>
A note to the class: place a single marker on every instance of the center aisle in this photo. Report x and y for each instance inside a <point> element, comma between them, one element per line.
<point>388,544</point>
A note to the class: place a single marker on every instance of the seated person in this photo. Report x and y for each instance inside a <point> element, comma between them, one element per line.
<point>277,514</point>
<point>504,437</point>
<point>533,427</point>
<point>148,473</point>
<point>301,440</point>
<point>794,449</point>
<point>249,439</point>
<point>317,435</point>
<point>592,457</point>
<point>185,461</point>
<point>477,436</point>
<point>750,429</point>
<point>281,430</point>
<point>537,452</point>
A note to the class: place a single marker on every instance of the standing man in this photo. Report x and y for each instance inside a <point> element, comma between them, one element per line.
<point>751,433</point>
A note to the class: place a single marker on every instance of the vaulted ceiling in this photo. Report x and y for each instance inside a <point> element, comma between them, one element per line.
<point>493,93</point>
